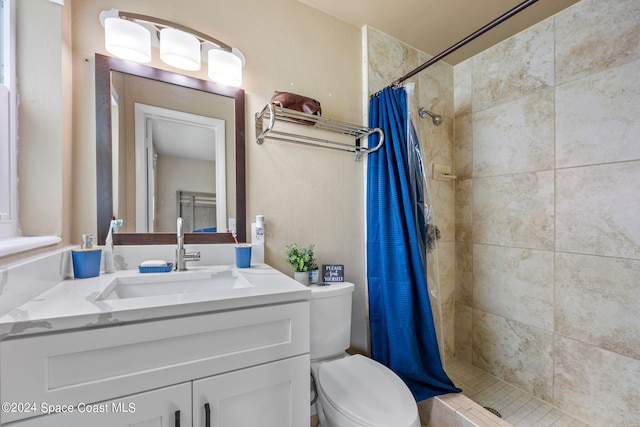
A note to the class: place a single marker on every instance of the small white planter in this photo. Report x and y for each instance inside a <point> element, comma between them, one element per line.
<point>302,277</point>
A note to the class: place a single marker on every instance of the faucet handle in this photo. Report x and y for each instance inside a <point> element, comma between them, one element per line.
<point>180,226</point>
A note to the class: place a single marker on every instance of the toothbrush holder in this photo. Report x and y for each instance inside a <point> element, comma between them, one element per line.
<point>243,256</point>
<point>86,262</point>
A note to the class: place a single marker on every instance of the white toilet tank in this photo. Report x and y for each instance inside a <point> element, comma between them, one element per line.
<point>330,319</point>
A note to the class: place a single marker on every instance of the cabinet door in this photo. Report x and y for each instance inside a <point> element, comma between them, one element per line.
<point>275,394</point>
<point>166,407</point>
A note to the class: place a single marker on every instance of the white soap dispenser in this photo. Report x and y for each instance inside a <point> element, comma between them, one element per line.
<point>109,264</point>
<point>257,231</point>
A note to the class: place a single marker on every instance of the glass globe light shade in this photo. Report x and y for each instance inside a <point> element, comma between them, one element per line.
<point>179,49</point>
<point>127,39</point>
<point>225,67</point>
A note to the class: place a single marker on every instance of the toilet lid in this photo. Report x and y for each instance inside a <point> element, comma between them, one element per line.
<point>367,392</point>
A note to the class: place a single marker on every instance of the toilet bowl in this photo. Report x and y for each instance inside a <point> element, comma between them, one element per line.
<point>353,391</point>
<point>356,391</point>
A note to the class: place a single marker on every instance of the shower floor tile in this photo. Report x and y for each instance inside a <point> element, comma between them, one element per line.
<point>516,406</point>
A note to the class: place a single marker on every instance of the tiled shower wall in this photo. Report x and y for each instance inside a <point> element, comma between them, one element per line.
<point>547,152</point>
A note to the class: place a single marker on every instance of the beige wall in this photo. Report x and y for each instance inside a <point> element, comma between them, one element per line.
<point>307,195</point>
<point>44,118</point>
<point>547,231</point>
<point>182,174</point>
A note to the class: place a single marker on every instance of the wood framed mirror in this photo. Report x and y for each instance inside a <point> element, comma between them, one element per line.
<point>105,68</point>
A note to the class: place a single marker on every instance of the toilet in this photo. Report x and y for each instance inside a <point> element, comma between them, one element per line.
<point>352,391</point>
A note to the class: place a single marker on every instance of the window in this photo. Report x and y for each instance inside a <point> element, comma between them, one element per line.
<point>8,122</point>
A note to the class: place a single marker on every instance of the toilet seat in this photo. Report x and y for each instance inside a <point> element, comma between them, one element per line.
<point>367,392</point>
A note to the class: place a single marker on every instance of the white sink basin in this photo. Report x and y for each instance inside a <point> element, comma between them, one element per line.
<point>150,285</point>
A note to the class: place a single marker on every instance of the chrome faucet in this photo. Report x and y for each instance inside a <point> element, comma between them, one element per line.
<point>182,256</point>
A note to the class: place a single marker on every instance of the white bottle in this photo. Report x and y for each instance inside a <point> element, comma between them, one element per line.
<point>257,231</point>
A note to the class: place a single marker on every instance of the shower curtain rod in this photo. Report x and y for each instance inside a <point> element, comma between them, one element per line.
<point>461,43</point>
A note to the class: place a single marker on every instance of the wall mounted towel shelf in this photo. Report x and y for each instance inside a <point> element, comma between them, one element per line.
<point>272,114</point>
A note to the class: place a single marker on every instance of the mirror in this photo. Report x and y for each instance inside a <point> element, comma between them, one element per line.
<point>168,149</point>
<point>139,200</point>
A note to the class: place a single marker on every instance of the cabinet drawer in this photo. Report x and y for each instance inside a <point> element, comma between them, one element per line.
<point>104,363</point>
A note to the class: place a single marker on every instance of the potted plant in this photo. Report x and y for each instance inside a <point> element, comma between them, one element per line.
<point>302,260</point>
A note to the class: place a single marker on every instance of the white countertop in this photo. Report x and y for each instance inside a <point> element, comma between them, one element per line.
<point>76,303</point>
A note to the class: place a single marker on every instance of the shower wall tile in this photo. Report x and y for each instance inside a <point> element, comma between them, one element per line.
<point>449,326</point>
<point>413,100</point>
<point>436,146</point>
<point>436,87</point>
<point>597,300</point>
<point>464,210</point>
<point>436,308</point>
<point>446,265</point>
<point>517,353</point>
<point>463,333</point>
<point>463,144</point>
<point>594,35</point>
<point>596,385</point>
<point>464,273</point>
<point>443,202</point>
<point>436,142</point>
<point>502,73</point>
<point>388,59</point>
<point>514,210</point>
<point>515,136</point>
<point>597,117</point>
<point>462,90</point>
<point>514,283</point>
<point>597,210</point>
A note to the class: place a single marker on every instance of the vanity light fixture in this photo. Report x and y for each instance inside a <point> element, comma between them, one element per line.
<point>131,35</point>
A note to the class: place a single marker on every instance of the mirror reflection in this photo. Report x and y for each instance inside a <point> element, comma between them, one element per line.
<point>181,176</point>
<point>168,145</point>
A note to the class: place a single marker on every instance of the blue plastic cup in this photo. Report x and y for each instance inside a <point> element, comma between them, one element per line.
<point>243,256</point>
<point>86,263</point>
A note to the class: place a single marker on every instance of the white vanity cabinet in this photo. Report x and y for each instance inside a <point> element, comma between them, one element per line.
<point>250,366</point>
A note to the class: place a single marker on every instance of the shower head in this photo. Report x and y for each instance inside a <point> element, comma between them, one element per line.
<point>437,119</point>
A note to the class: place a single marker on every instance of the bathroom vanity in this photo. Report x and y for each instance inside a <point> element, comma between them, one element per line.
<point>83,353</point>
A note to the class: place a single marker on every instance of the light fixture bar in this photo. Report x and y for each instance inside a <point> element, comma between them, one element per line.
<point>165,23</point>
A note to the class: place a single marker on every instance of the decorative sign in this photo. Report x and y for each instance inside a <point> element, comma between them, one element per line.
<point>333,272</point>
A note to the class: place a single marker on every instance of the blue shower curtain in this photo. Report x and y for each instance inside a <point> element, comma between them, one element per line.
<point>403,334</point>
